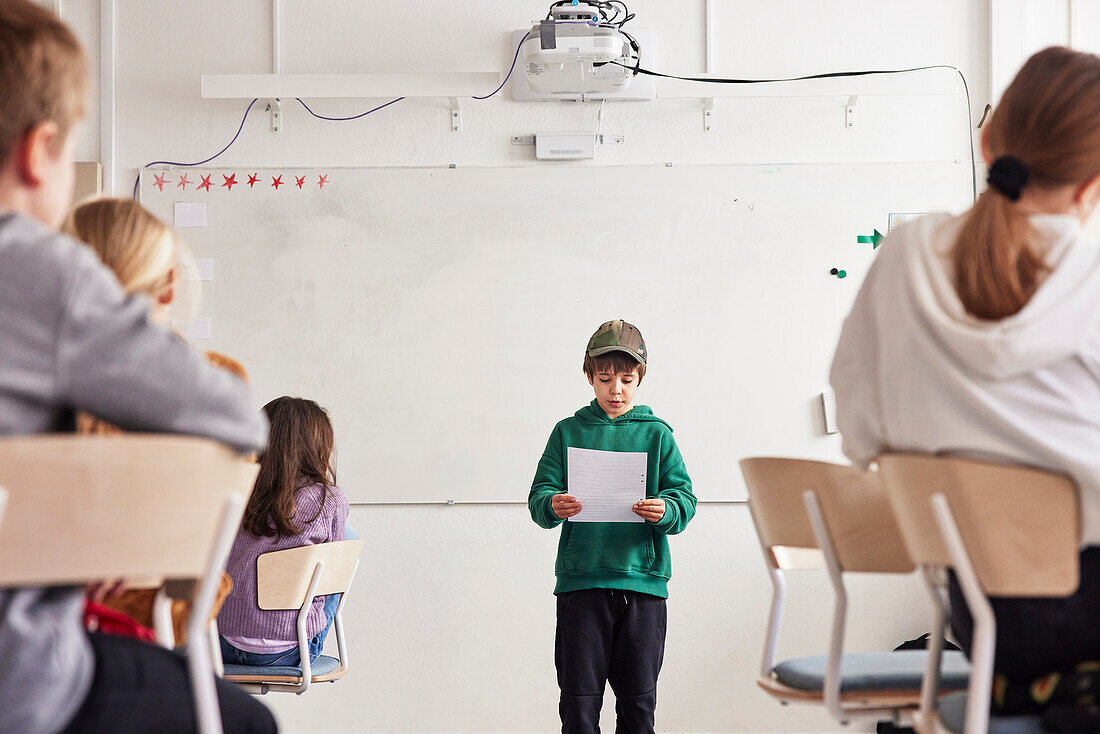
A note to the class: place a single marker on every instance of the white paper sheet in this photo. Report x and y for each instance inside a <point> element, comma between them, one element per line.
<point>188,214</point>
<point>204,266</point>
<point>607,483</point>
<point>198,329</point>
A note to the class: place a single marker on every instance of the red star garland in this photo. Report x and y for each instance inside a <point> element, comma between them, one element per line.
<point>228,182</point>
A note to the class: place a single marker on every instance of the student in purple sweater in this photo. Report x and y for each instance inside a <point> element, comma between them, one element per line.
<point>295,502</point>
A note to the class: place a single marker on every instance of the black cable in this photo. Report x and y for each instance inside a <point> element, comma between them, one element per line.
<point>637,69</point>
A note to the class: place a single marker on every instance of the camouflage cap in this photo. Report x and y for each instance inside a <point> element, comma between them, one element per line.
<point>617,336</point>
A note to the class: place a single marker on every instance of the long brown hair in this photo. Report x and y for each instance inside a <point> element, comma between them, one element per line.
<point>298,454</point>
<point>1048,118</point>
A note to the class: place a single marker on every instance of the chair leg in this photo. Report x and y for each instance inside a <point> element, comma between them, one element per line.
<point>338,622</point>
<point>199,661</point>
<point>215,648</point>
<point>303,617</point>
<point>930,685</point>
<point>985,624</point>
<point>833,671</point>
<point>205,692</point>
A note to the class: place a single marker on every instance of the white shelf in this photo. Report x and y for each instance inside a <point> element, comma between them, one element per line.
<point>928,81</point>
<point>315,86</point>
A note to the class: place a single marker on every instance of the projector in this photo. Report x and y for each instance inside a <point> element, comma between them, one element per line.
<point>572,53</point>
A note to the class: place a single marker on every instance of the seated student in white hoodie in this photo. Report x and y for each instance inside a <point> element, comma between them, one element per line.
<point>979,335</point>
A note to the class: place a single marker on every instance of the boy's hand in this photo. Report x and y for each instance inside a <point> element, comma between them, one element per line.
<point>564,506</point>
<point>651,510</point>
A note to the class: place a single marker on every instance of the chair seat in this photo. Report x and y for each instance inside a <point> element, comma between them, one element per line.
<point>876,671</point>
<point>321,667</point>
<point>952,711</point>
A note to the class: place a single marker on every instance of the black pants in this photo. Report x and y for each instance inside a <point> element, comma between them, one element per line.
<point>140,688</point>
<point>609,636</point>
<point>1039,636</point>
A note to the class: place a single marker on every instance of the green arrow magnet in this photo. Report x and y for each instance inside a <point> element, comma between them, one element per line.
<point>874,240</point>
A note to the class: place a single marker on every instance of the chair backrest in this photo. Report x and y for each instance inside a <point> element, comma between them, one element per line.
<point>1019,524</point>
<point>857,512</point>
<point>283,577</point>
<point>82,508</point>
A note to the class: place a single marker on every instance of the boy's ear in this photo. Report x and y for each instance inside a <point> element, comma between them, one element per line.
<point>35,151</point>
<point>589,379</point>
<point>167,292</point>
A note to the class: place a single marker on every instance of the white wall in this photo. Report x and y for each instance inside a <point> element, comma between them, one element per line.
<point>451,622</point>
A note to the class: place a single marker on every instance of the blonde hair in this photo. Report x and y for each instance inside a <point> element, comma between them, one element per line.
<point>1049,119</point>
<point>43,73</point>
<point>141,250</point>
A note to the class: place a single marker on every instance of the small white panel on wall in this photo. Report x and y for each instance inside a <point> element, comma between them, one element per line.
<point>189,214</point>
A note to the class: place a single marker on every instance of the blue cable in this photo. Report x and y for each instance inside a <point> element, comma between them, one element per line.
<point>175,163</point>
<point>353,117</point>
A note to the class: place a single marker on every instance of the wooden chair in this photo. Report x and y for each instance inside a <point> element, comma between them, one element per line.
<point>1006,531</point>
<point>84,508</point>
<point>810,514</point>
<point>290,579</point>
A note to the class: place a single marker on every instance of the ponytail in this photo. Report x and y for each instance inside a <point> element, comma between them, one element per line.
<point>997,265</point>
<point>1044,135</point>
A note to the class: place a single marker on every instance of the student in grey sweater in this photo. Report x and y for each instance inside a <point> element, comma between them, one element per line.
<point>71,340</point>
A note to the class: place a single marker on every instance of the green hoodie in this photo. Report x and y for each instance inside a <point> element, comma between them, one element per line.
<point>606,555</point>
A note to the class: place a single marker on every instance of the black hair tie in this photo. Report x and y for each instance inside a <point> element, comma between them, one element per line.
<point>1009,176</point>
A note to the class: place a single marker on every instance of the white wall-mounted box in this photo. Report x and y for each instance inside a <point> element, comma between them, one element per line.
<point>565,146</point>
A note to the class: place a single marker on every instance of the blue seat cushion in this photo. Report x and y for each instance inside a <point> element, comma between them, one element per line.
<point>875,671</point>
<point>321,666</point>
<point>952,711</point>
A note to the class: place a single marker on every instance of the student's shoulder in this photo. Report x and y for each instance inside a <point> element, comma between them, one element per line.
<point>644,415</point>
<point>27,244</point>
<point>312,495</point>
<point>54,263</point>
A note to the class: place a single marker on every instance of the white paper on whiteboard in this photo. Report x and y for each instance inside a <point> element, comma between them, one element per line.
<point>205,268</point>
<point>606,483</point>
<point>199,329</point>
<point>189,214</point>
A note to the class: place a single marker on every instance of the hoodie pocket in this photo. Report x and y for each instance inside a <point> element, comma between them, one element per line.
<point>605,546</point>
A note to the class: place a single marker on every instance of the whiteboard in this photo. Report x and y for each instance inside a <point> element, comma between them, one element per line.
<point>441,314</point>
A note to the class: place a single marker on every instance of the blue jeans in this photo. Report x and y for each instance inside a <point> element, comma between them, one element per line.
<point>290,658</point>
